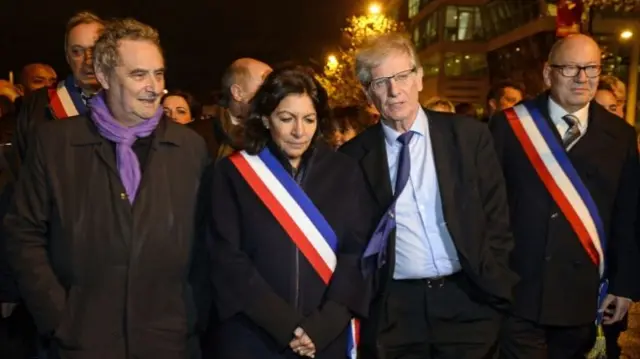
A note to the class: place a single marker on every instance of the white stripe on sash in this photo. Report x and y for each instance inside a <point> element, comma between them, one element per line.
<point>560,177</point>
<point>293,209</point>
<point>66,101</point>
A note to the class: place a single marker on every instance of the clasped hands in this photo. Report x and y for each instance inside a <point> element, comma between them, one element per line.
<point>301,344</point>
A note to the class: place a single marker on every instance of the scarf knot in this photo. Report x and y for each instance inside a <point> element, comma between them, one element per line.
<point>124,138</point>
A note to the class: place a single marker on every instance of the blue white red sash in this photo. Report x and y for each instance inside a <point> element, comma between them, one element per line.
<point>551,162</point>
<point>65,100</point>
<point>297,215</point>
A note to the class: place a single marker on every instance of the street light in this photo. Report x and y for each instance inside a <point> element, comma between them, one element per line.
<point>374,9</point>
<point>632,86</point>
<point>332,62</point>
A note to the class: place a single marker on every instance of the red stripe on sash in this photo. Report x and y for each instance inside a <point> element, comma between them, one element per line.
<point>555,191</point>
<point>56,104</point>
<point>281,215</point>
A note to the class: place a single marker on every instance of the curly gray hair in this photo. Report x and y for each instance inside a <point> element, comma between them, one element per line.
<point>106,56</point>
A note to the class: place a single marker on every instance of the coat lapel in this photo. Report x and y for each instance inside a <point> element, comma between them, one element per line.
<point>154,181</point>
<point>376,167</point>
<point>447,163</point>
<point>88,135</point>
<point>597,138</point>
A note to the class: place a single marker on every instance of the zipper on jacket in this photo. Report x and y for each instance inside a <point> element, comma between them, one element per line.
<point>297,176</point>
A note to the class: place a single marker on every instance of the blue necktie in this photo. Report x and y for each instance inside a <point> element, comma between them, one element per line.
<point>376,249</point>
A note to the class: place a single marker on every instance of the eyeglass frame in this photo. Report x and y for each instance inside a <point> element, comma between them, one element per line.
<point>387,79</point>
<point>579,68</point>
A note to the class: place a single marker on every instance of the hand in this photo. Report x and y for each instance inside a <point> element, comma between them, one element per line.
<point>7,309</point>
<point>614,308</point>
<point>301,344</point>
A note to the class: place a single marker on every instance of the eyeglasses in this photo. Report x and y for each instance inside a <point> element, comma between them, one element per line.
<point>573,70</point>
<point>401,78</point>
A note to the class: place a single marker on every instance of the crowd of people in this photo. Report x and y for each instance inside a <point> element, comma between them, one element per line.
<point>135,227</point>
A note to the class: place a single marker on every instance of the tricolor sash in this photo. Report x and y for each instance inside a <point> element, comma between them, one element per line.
<point>65,100</point>
<point>551,162</point>
<point>298,216</point>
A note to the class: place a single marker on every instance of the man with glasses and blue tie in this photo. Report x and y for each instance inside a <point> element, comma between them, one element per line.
<point>440,233</point>
<point>572,176</point>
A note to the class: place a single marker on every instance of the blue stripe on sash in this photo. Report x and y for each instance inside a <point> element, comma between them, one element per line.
<point>300,197</point>
<point>565,163</point>
<point>74,93</point>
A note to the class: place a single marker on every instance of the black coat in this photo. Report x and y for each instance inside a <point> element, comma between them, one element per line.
<point>474,203</point>
<point>104,278</point>
<point>559,283</point>
<point>264,285</point>
<point>33,111</point>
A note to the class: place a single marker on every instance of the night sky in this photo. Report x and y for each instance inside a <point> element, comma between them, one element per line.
<point>200,37</point>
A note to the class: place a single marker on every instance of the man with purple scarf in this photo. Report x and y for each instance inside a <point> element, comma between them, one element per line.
<point>102,234</point>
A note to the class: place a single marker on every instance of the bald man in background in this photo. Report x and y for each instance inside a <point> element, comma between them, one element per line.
<point>240,82</point>
<point>556,300</point>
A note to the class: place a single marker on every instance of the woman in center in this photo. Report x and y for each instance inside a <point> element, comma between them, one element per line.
<point>288,233</point>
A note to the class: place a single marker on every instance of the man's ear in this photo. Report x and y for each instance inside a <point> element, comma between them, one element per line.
<point>236,92</point>
<point>103,78</point>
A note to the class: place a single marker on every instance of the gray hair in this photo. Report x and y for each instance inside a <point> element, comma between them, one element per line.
<point>106,56</point>
<point>377,49</point>
<point>81,18</point>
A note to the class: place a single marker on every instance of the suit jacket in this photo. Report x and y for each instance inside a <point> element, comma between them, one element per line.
<point>474,204</point>
<point>559,283</point>
<point>105,278</point>
<point>265,287</point>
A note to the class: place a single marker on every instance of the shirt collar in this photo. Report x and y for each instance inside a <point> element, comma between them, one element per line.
<point>419,126</point>
<point>556,112</point>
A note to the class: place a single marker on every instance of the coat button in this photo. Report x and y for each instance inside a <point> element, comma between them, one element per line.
<point>554,215</point>
<point>123,196</point>
<point>547,258</point>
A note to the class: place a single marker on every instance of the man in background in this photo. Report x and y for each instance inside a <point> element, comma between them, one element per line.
<point>36,76</point>
<point>223,133</point>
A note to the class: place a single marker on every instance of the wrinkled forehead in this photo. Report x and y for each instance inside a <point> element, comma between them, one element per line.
<point>606,96</point>
<point>84,35</point>
<point>140,54</point>
<point>391,62</point>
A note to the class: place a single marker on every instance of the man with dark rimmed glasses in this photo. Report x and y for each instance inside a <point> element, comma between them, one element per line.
<point>572,180</point>
<point>438,254</point>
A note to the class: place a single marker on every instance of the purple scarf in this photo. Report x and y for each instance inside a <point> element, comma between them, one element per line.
<point>124,138</point>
